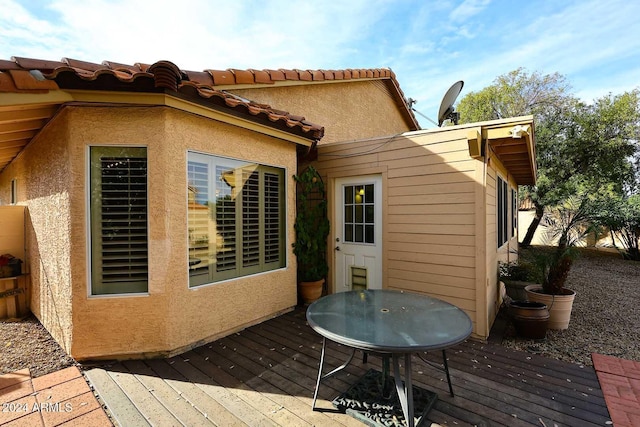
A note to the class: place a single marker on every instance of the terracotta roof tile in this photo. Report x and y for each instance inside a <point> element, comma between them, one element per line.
<point>276,75</point>
<point>243,76</point>
<point>222,77</point>
<point>290,74</point>
<point>305,75</point>
<point>200,77</point>
<point>261,76</point>
<point>8,65</point>
<point>34,80</point>
<point>6,83</point>
<point>37,64</point>
<point>317,75</point>
<point>117,66</point>
<point>328,74</point>
<point>90,66</point>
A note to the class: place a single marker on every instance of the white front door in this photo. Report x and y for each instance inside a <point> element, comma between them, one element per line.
<point>358,233</point>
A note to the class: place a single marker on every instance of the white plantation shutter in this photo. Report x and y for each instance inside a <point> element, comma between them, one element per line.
<point>119,220</point>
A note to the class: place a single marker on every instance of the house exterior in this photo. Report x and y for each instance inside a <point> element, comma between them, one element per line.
<point>160,208</point>
<point>429,211</point>
<point>160,202</point>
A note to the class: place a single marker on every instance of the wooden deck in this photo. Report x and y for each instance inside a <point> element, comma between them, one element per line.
<point>265,376</point>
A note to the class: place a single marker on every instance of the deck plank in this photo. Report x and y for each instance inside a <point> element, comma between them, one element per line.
<point>265,376</point>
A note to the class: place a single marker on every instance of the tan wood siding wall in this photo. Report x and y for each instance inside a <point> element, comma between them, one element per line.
<point>508,251</point>
<point>429,215</point>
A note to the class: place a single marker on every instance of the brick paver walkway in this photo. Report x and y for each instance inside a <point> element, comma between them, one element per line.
<point>620,383</point>
<point>62,398</point>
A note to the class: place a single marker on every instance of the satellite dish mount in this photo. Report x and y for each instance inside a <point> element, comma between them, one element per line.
<point>447,112</point>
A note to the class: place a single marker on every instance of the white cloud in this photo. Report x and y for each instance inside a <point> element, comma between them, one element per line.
<point>467,9</point>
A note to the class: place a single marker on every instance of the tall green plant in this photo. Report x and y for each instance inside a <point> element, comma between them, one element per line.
<point>621,214</point>
<point>568,223</point>
<point>311,226</point>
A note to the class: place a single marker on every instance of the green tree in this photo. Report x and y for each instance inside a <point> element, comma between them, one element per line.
<point>621,215</point>
<point>548,99</point>
<point>580,148</point>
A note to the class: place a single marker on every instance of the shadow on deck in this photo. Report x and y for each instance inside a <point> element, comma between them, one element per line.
<point>265,375</point>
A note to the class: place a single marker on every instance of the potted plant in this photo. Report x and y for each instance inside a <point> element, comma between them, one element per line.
<point>569,223</point>
<point>530,319</point>
<point>312,230</point>
<point>516,275</point>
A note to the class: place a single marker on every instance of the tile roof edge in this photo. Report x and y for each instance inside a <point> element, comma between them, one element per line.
<point>160,76</point>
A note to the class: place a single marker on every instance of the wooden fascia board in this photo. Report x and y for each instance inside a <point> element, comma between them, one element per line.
<point>23,99</point>
<point>131,98</point>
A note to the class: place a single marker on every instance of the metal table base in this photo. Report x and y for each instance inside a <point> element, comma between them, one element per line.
<point>403,388</point>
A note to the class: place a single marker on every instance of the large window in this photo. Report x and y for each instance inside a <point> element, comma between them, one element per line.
<point>503,211</point>
<point>118,205</point>
<point>236,218</point>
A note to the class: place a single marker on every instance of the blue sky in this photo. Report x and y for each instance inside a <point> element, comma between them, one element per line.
<point>428,44</point>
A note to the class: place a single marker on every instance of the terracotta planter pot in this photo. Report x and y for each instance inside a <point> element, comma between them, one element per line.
<point>530,319</point>
<point>559,305</point>
<point>310,291</point>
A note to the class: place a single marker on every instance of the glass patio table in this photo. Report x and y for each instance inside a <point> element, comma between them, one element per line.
<point>393,324</point>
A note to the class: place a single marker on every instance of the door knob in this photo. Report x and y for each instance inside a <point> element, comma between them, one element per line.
<point>337,248</point>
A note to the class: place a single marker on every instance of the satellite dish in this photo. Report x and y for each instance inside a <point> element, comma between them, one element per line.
<point>446,106</point>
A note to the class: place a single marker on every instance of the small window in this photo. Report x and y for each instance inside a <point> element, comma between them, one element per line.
<point>236,218</point>
<point>13,199</point>
<point>118,210</point>
<point>503,211</point>
<point>514,212</point>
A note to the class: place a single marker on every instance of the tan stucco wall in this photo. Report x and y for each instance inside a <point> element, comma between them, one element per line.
<point>45,178</point>
<point>348,111</point>
<point>171,316</point>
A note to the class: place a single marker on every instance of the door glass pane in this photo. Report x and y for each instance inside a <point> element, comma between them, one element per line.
<point>368,193</point>
<point>348,232</point>
<point>368,234</point>
<point>368,218</point>
<point>359,213</point>
<point>348,194</point>
<point>348,214</point>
